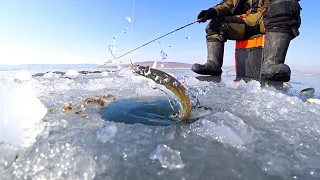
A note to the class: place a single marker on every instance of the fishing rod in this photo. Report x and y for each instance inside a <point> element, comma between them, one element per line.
<point>154,40</point>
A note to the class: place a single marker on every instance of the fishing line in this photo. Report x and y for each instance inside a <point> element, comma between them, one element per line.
<point>156,39</point>
<point>131,32</point>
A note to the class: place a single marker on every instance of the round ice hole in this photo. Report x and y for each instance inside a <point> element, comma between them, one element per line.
<point>157,113</point>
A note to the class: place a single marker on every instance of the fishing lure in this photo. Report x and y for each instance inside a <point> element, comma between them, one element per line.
<point>170,83</point>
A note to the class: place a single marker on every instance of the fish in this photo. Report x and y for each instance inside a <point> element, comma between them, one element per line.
<point>307,92</point>
<point>170,83</point>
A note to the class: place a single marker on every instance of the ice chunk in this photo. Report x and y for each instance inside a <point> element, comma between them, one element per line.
<point>163,55</point>
<point>107,132</point>
<point>21,113</point>
<point>48,75</point>
<point>71,73</point>
<point>51,75</point>
<point>128,18</point>
<point>167,157</point>
<point>23,75</point>
<point>233,131</point>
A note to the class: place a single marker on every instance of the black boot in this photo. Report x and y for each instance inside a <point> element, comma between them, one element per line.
<point>274,54</point>
<point>215,58</point>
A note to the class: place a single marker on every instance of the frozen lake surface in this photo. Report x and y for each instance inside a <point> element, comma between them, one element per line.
<point>51,128</point>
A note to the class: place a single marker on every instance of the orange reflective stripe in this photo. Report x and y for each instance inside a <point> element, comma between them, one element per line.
<point>236,62</point>
<point>250,43</point>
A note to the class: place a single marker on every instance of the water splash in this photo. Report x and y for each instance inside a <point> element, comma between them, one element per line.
<point>128,19</point>
<point>164,55</point>
<point>125,30</point>
<point>112,50</point>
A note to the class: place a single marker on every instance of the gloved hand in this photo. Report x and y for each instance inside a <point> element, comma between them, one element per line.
<point>205,15</point>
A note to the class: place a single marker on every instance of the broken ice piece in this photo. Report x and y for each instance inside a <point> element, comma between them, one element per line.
<point>167,157</point>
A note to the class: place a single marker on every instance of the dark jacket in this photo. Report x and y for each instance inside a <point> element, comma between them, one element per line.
<point>237,7</point>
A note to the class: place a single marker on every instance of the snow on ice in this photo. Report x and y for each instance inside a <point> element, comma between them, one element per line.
<point>251,132</point>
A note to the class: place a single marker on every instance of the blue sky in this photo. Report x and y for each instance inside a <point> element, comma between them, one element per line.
<point>80,31</point>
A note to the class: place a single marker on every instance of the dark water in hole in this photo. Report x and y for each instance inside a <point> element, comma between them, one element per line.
<point>157,113</point>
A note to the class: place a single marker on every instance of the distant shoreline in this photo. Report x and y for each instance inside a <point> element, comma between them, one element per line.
<point>165,66</point>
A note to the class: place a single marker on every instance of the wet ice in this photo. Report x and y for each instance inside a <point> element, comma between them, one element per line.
<point>168,157</point>
<point>258,133</point>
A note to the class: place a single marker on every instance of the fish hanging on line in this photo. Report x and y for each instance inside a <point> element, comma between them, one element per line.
<point>170,83</point>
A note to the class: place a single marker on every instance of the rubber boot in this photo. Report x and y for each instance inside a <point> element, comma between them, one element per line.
<point>274,54</point>
<point>214,60</point>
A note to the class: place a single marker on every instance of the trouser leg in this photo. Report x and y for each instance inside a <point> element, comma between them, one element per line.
<point>219,31</point>
<point>282,22</point>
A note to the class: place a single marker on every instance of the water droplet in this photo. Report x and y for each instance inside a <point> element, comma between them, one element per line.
<point>163,55</point>
<point>128,19</point>
<point>175,84</point>
<point>188,37</point>
<point>170,45</point>
<point>167,80</point>
<point>112,50</point>
<point>115,37</point>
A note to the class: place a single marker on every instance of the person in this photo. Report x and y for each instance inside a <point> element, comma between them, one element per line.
<point>278,20</point>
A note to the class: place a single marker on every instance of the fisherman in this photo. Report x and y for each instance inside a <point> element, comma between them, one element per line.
<point>279,20</point>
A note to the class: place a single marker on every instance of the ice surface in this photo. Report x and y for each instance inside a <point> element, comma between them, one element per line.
<point>106,133</point>
<point>71,73</point>
<point>250,132</point>
<point>168,157</point>
<point>21,114</point>
<point>23,75</point>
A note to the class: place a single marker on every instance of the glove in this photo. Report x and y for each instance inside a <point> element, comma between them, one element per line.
<point>205,15</point>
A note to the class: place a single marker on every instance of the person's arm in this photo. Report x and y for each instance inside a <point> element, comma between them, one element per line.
<point>224,8</point>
